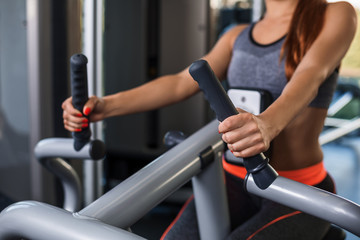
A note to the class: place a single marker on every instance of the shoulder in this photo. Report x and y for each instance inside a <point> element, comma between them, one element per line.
<point>237,29</point>
<point>233,33</point>
<point>220,55</point>
<point>341,16</point>
<point>341,9</point>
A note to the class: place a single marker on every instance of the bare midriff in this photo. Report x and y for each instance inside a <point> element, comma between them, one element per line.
<point>296,152</point>
<point>297,146</point>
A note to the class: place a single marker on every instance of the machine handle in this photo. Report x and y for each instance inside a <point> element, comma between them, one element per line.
<point>79,91</point>
<point>220,102</point>
<point>213,91</point>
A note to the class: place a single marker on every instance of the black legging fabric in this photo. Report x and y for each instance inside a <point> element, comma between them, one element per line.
<point>255,218</point>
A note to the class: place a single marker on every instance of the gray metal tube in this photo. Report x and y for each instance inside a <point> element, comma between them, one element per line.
<point>131,199</point>
<point>211,200</point>
<point>69,179</point>
<point>40,221</point>
<point>47,152</point>
<point>64,148</point>
<point>311,200</point>
<point>331,135</point>
<point>93,179</point>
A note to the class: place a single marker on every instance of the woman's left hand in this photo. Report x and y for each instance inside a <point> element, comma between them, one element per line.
<point>245,134</point>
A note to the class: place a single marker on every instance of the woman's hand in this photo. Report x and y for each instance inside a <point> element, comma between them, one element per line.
<point>245,134</point>
<point>75,121</point>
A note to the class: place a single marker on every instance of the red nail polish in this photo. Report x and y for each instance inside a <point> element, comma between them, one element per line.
<point>87,111</point>
<point>79,115</point>
<point>78,130</point>
<point>85,120</point>
<point>85,125</point>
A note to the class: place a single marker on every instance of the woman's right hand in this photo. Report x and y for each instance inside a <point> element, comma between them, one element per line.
<point>75,121</point>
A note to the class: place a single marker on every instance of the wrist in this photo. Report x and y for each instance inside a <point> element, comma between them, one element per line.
<point>270,127</point>
<point>107,106</point>
<point>113,105</point>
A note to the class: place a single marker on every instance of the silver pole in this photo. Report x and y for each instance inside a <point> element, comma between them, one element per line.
<point>211,203</point>
<point>40,221</point>
<point>70,182</point>
<point>311,200</point>
<point>93,35</point>
<point>138,194</point>
<point>339,132</point>
<point>47,152</point>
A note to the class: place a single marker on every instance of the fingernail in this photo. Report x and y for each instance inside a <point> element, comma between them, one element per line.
<point>85,125</point>
<point>79,115</point>
<point>87,111</point>
<point>78,130</point>
<point>85,120</point>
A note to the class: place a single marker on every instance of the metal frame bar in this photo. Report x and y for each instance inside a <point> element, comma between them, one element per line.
<point>210,209</point>
<point>311,200</point>
<point>344,129</point>
<point>47,152</point>
<point>40,221</point>
<point>69,179</point>
<point>129,201</point>
<point>92,48</point>
<point>137,195</point>
<point>148,187</point>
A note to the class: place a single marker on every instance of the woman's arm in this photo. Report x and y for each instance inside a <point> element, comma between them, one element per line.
<point>248,135</point>
<point>170,89</point>
<point>158,93</point>
<point>319,62</point>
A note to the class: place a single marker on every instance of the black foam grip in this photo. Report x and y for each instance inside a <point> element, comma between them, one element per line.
<point>79,91</point>
<point>224,108</point>
<point>212,89</point>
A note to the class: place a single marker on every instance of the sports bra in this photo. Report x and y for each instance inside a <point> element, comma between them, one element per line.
<point>255,65</point>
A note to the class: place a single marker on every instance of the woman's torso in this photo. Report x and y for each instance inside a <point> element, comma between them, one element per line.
<point>257,65</point>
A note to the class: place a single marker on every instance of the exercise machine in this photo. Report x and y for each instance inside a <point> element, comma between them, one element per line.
<point>197,158</point>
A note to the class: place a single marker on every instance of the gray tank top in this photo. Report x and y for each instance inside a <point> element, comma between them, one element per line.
<point>255,65</point>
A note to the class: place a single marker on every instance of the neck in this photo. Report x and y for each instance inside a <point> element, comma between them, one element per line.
<point>280,9</point>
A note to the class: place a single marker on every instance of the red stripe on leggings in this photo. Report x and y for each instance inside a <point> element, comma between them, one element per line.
<point>272,222</point>
<point>177,217</point>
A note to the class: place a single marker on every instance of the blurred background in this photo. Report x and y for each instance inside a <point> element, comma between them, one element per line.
<point>129,42</point>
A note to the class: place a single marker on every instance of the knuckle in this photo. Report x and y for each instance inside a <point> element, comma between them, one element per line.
<point>227,123</point>
<point>253,127</point>
<point>246,116</point>
<point>225,138</point>
<point>258,138</point>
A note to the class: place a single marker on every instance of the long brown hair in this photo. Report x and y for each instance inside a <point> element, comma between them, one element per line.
<point>305,26</point>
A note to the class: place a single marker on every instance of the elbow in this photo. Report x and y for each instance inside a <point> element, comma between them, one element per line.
<point>313,95</point>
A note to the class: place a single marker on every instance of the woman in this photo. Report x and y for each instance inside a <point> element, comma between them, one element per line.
<point>294,52</point>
